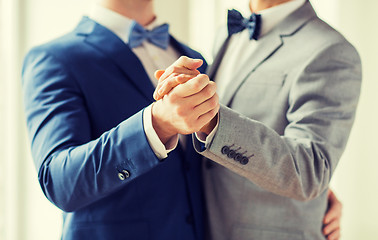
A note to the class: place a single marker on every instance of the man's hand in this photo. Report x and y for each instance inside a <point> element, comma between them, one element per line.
<point>185,109</point>
<point>332,217</point>
<point>179,72</point>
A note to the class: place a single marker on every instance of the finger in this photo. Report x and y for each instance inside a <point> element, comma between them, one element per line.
<point>206,93</point>
<point>171,78</point>
<point>189,63</point>
<point>206,105</point>
<point>207,117</point>
<point>334,210</point>
<point>167,86</point>
<point>177,70</point>
<point>172,71</point>
<point>334,235</point>
<point>192,87</point>
<point>331,227</point>
<point>158,74</point>
<point>183,65</point>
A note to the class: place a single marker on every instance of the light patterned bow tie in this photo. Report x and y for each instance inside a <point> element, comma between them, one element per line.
<point>158,36</point>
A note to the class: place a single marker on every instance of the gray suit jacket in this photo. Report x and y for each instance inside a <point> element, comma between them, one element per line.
<point>282,129</point>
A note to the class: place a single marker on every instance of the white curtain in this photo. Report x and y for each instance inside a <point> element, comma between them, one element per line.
<point>24,211</point>
<point>11,126</point>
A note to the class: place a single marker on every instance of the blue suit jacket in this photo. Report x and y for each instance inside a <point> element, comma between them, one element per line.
<point>84,96</point>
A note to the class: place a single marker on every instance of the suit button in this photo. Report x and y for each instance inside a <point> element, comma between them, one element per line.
<point>238,157</point>
<point>231,154</point>
<point>189,219</point>
<point>123,175</point>
<point>126,173</point>
<point>244,161</point>
<point>225,150</point>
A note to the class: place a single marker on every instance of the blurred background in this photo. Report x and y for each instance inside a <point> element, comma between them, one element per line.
<point>25,213</point>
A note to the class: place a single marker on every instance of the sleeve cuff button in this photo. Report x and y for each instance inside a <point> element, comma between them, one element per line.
<point>123,175</point>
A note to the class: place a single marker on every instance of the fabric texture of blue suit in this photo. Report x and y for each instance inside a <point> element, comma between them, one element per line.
<point>84,96</point>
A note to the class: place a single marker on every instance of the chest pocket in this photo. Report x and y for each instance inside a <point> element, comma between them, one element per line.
<point>262,85</point>
<point>266,78</point>
<point>261,90</point>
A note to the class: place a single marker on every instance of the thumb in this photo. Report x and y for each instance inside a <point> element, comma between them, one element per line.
<point>189,63</point>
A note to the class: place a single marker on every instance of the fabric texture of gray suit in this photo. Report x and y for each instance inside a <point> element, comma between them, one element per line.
<point>283,126</point>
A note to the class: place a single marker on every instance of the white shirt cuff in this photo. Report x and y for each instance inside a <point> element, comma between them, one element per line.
<point>160,150</point>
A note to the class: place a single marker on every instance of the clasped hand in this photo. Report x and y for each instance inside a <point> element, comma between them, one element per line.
<point>186,101</point>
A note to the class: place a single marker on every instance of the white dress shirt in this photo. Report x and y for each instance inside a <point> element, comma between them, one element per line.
<point>240,47</point>
<point>152,58</point>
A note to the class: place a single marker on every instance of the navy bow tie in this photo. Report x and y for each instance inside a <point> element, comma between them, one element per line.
<point>158,36</point>
<point>237,23</point>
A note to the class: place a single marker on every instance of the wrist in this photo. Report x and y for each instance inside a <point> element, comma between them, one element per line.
<point>162,127</point>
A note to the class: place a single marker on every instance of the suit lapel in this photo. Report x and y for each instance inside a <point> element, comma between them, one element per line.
<point>218,59</point>
<point>107,42</point>
<point>268,46</point>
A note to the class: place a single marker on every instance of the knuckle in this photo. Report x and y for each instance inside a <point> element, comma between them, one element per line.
<point>208,92</point>
<point>196,85</point>
<point>204,77</point>
<point>171,83</point>
<point>213,85</point>
<point>183,113</point>
<point>180,112</point>
<point>175,69</point>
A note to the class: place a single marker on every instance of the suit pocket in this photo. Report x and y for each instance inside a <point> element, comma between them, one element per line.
<point>261,91</point>
<point>267,77</point>
<point>244,233</point>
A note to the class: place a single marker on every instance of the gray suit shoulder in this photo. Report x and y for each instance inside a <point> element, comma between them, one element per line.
<point>321,32</point>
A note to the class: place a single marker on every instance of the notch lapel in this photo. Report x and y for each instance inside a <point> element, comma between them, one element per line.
<point>120,53</point>
<point>268,46</point>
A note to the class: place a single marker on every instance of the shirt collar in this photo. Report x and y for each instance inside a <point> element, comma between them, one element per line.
<point>116,22</point>
<point>271,17</point>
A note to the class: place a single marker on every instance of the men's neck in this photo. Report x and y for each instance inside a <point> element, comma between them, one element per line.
<point>259,5</point>
<point>141,11</point>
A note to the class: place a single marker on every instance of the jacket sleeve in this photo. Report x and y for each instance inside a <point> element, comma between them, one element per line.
<point>75,170</point>
<point>298,164</point>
